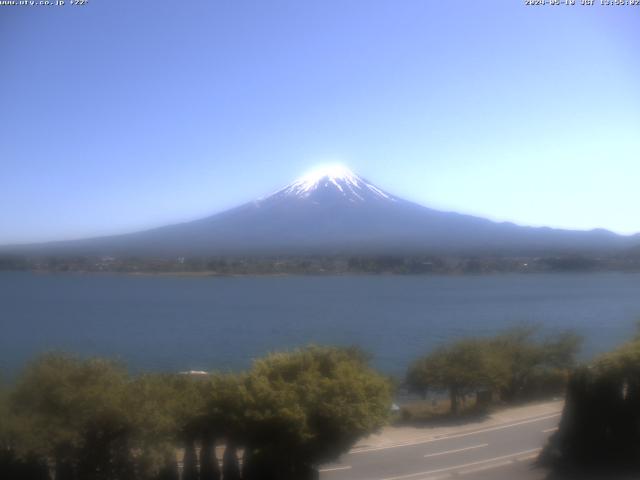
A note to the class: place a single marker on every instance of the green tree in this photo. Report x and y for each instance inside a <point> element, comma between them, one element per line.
<point>464,367</point>
<point>75,412</point>
<point>190,462</point>
<point>534,364</point>
<point>8,460</point>
<point>168,411</point>
<point>560,351</point>
<point>153,406</point>
<point>308,406</point>
<point>92,421</point>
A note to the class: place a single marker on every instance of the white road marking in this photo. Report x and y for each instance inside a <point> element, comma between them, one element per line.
<point>548,430</point>
<point>462,466</point>
<point>446,452</point>
<point>457,435</point>
<point>334,469</point>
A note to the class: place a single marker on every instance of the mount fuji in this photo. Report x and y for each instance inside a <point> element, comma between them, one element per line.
<point>335,211</point>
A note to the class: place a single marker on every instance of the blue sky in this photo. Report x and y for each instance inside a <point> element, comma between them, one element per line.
<point>123,115</point>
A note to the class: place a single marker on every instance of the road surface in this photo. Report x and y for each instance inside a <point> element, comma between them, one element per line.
<point>497,451</point>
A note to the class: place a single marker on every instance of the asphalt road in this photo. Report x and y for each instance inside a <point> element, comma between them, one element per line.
<point>499,452</point>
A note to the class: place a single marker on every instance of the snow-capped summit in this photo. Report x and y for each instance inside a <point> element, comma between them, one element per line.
<point>332,210</point>
<point>332,180</point>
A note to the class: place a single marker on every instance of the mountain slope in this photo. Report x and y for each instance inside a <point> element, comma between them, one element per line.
<point>333,211</point>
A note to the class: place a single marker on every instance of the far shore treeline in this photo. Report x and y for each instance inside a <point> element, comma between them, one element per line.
<point>398,263</point>
<point>68,418</point>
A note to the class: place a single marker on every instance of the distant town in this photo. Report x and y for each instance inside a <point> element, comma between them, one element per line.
<point>325,265</point>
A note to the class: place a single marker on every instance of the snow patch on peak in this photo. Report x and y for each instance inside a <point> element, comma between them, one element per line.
<point>336,174</point>
<point>333,172</point>
<point>338,177</point>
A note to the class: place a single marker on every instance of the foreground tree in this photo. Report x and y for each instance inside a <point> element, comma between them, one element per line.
<point>600,425</point>
<point>190,462</point>
<point>464,367</point>
<point>169,413</point>
<point>224,420</point>
<point>9,462</point>
<point>209,467</point>
<point>517,364</point>
<point>75,413</point>
<point>307,407</point>
<point>90,420</point>
<point>535,366</point>
<point>230,464</point>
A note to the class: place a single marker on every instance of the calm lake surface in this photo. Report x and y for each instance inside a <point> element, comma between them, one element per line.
<point>183,323</point>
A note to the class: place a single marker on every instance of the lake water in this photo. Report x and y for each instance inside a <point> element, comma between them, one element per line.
<point>183,323</point>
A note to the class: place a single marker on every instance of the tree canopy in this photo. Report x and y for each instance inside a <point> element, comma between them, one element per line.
<point>600,425</point>
<point>312,404</point>
<point>461,368</point>
<point>514,363</point>
<point>75,412</point>
<point>531,360</point>
<point>92,420</point>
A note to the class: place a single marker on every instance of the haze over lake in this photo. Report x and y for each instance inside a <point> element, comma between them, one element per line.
<point>181,323</point>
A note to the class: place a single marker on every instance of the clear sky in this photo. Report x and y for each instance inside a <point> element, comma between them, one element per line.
<point>121,115</point>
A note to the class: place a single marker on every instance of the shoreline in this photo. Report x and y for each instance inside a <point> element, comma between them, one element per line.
<point>215,274</point>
